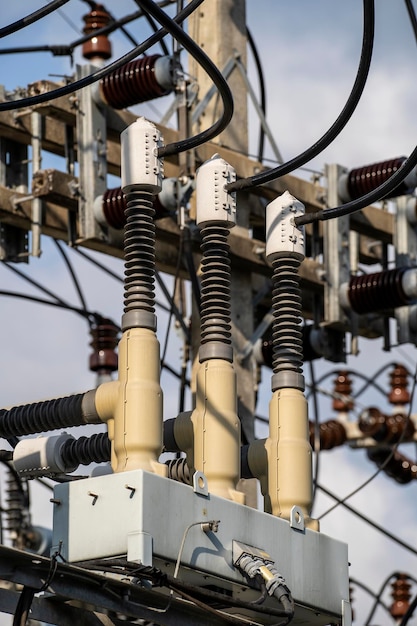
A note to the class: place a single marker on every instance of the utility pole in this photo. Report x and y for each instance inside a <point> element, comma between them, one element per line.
<point>219,27</point>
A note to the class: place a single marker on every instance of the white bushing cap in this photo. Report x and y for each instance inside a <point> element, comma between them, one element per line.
<point>282,234</point>
<point>141,166</point>
<point>40,456</point>
<point>214,203</point>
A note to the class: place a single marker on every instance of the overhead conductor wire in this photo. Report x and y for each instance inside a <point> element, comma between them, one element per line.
<point>338,125</point>
<point>31,18</point>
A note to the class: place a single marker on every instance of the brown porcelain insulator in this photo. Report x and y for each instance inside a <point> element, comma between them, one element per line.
<point>399,393</point>
<point>97,47</point>
<point>105,335</point>
<point>395,465</point>
<point>132,83</point>
<point>385,428</point>
<point>362,180</point>
<point>378,291</point>
<point>343,387</point>
<point>401,596</point>
<point>114,206</point>
<point>332,434</point>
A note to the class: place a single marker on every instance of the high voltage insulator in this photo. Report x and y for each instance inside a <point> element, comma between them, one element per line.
<point>342,400</point>
<point>362,180</point>
<point>385,428</point>
<point>332,434</point>
<point>105,337</point>
<point>394,464</point>
<point>98,47</point>
<point>399,393</point>
<point>138,81</point>
<point>401,596</point>
<point>380,291</point>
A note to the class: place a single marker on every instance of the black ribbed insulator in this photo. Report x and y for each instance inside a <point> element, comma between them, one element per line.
<point>286,304</point>
<point>364,179</point>
<point>132,83</point>
<point>42,416</point>
<point>178,470</point>
<point>86,450</point>
<point>377,292</point>
<point>16,506</point>
<point>114,207</point>
<point>215,285</point>
<point>139,243</point>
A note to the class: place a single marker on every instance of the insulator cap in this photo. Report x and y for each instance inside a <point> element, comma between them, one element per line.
<point>214,203</point>
<point>141,167</point>
<point>97,47</point>
<point>282,234</point>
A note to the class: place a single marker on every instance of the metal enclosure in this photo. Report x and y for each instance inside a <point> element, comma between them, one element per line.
<point>127,514</point>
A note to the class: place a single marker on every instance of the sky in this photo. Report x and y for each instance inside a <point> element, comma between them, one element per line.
<point>309,50</point>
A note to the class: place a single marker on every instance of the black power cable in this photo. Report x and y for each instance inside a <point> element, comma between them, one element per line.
<point>212,71</point>
<point>262,90</point>
<point>341,121</point>
<point>32,18</point>
<point>66,90</point>
<point>380,192</point>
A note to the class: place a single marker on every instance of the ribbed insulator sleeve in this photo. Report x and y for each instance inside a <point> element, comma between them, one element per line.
<point>42,416</point>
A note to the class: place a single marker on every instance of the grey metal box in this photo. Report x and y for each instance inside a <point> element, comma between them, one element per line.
<point>143,516</point>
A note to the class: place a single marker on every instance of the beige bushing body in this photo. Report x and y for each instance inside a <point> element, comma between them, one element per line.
<point>216,429</point>
<point>289,454</point>
<point>132,406</point>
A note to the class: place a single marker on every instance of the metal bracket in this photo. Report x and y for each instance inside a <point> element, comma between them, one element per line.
<point>200,484</point>
<point>297,519</point>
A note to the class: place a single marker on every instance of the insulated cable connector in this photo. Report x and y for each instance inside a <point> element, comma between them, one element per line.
<point>255,563</point>
<point>141,167</point>
<point>214,203</point>
<point>282,233</point>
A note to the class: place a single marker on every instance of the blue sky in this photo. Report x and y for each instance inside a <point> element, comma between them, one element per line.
<point>310,51</point>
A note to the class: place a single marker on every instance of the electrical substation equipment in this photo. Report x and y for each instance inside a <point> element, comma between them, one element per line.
<point>196,529</point>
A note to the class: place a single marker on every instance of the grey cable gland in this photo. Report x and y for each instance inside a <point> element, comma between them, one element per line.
<point>287,380</point>
<point>215,350</point>
<point>88,408</point>
<point>139,319</point>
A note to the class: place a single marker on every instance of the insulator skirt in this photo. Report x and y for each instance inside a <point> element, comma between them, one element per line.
<point>364,179</point>
<point>42,416</point>
<point>86,450</point>
<point>132,83</point>
<point>139,244</point>
<point>377,292</point>
<point>215,285</point>
<point>286,304</point>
